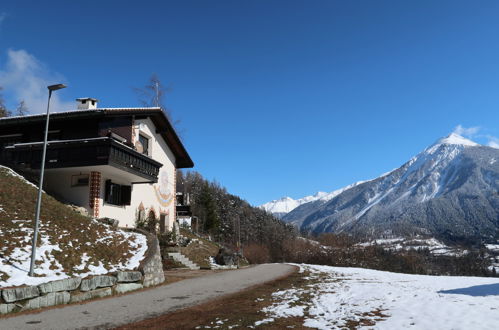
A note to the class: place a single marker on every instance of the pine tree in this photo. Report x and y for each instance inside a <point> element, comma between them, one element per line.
<point>206,201</point>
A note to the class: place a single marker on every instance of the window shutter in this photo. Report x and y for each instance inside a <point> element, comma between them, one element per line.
<point>126,195</point>
<point>107,191</point>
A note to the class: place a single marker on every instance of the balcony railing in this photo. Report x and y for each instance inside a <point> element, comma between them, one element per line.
<point>81,152</point>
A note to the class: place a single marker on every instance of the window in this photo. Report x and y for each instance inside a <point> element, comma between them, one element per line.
<point>144,141</point>
<point>117,194</point>
<point>79,180</point>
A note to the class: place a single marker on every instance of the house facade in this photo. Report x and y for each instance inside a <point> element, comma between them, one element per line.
<point>118,163</point>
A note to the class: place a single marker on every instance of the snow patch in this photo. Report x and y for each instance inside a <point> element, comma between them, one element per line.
<point>384,300</point>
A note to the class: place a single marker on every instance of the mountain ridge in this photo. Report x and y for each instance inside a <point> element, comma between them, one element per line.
<point>448,188</point>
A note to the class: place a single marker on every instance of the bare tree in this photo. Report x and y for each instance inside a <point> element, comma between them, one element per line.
<point>4,112</point>
<point>22,109</point>
<point>153,94</point>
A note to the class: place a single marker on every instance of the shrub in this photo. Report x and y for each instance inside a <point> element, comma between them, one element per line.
<point>257,253</point>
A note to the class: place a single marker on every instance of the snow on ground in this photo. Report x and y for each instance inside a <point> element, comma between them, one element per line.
<point>69,243</point>
<point>338,297</point>
<point>433,245</point>
<point>16,264</point>
<point>214,265</point>
<point>492,247</point>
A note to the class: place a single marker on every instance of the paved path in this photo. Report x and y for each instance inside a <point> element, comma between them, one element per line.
<point>134,307</point>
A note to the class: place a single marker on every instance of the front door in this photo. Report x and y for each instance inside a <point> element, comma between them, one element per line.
<point>163,218</point>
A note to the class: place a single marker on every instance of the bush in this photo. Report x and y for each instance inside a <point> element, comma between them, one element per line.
<point>257,253</point>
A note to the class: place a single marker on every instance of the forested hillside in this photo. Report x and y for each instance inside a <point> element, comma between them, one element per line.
<point>233,222</point>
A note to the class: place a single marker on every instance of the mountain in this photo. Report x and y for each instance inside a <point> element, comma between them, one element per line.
<point>280,207</point>
<point>449,190</point>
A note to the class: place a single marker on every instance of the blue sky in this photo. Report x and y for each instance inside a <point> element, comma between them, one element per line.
<point>275,98</point>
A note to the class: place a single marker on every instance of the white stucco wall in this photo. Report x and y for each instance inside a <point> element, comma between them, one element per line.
<point>159,197</point>
<point>58,182</point>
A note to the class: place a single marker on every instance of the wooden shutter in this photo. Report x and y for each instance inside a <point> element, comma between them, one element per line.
<point>126,195</point>
<point>107,192</point>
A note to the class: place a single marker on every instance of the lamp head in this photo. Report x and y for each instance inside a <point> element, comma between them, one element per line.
<point>56,87</point>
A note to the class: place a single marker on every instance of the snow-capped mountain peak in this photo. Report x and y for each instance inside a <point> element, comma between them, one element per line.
<point>449,187</point>
<point>286,204</point>
<point>454,138</point>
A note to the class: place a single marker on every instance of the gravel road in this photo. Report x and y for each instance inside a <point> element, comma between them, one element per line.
<point>108,313</point>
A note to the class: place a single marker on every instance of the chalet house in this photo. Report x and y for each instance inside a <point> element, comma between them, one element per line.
<point>118,163</point>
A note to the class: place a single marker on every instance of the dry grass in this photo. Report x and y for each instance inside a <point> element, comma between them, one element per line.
<point>75,234</point>
<point>239,310</point>
<point>199,250</point>
<point>244,309</point>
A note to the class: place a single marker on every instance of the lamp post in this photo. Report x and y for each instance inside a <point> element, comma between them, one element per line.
<point>51,88</point>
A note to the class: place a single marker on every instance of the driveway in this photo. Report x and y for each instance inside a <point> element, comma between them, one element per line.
<point>108,313</point>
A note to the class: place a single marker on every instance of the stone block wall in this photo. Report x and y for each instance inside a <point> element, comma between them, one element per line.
<point>152,266</point>
<point>76,289</point>
<point>68,290</point>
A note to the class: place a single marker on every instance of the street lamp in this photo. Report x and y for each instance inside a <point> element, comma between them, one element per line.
<point>51,88</point>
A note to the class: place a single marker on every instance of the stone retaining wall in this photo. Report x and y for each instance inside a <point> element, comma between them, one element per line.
<point>78,289</point>
<point>152,266</point>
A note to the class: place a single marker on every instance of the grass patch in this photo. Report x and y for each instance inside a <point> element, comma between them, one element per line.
<point>199,249</point>
<point>242,309</point>
<point>254,308</point>
<point>78,242</point>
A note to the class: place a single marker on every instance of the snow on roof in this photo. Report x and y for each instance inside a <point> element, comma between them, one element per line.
<point>76,111</point>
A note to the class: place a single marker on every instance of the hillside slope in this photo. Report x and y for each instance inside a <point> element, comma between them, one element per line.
<point>69,243</point>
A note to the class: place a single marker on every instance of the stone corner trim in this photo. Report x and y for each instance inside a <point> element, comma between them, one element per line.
<point>151,266</point>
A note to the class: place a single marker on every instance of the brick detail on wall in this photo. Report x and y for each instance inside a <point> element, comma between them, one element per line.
<point>134,138</point>
<point>174,215</point>
<point>95,179</point>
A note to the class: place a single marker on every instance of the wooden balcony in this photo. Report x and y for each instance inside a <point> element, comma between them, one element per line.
<point>81,152</point>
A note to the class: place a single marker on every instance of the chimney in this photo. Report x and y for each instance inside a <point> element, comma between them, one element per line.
<point>86,103</point>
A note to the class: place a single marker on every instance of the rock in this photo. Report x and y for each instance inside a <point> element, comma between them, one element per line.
<point>67,284</point>
<point>152,266</point>
<point>16,294</point>
<point>109,221</point>
<point>153,279</point>
<point>225,257</point>
<point>153,271</point>
<point>126,287</point>
<point>51,299</point>
<point>7,308</point>
<point>99,293</point>
<point>101,281</point>
<point>80,209</point>
<point>176,231</point>
<point>129,276</point>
